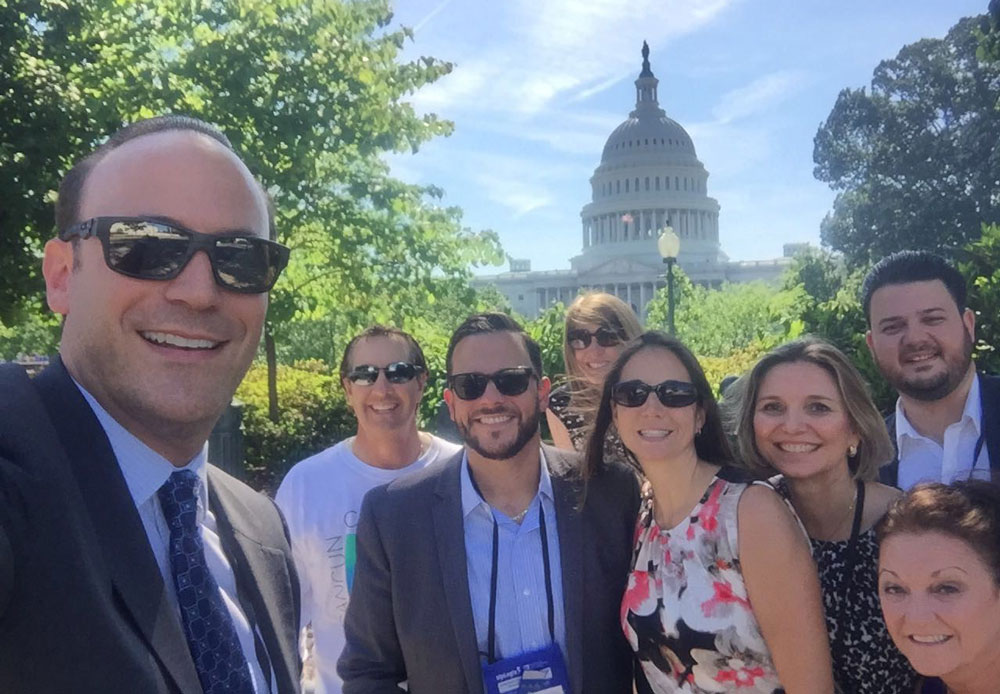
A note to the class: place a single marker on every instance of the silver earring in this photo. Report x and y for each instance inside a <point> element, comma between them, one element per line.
<point>852,450</point>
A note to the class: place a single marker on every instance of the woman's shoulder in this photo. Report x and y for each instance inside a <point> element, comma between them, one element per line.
<point>878,498</point>
<point>560,398</point>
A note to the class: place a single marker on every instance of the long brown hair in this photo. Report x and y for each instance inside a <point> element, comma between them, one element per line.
<point>604,311</point>
<point>711,444</point>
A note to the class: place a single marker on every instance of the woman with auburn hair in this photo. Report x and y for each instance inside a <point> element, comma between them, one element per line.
<point>939,582</point>
<point>597,327</point>
<point>717,561</point>
<point>805,413</point>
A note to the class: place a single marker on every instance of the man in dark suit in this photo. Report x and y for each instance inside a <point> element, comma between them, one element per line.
<point>127,564</point>
<point>946,424</point>
<point>496,554</point>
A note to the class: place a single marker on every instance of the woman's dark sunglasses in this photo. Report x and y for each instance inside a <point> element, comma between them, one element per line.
<point>670,393</point>
<point>578,338</point>
<point>152,250</point>
<point>469,386</point>
<point>397,372</point>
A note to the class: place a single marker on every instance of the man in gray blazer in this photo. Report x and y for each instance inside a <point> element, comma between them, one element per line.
<point>497,554</point>
<point>127,564</point>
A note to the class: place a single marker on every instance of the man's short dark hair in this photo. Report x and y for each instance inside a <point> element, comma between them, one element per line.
<point>905,267</point>
<point>71,187</point>
<point>416,356</point>
<point>483,323</point>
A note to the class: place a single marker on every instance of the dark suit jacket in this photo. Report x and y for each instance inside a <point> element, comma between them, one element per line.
<point>989,391</point>
<point>410,615</point>
<point>83,606</point>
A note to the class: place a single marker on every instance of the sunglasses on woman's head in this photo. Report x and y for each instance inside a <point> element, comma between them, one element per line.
<point>578,338</point>
<point>513,381</point>
<point>397,372</point>
<point>153,250</point>
<point>670,393</point>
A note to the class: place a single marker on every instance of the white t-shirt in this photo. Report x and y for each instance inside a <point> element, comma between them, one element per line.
<point>321,499</point>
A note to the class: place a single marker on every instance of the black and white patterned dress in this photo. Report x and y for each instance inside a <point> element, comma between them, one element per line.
<point>579,429</point>
<point>865,660</point>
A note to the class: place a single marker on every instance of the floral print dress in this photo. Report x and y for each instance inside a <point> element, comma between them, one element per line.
<point>686,612</point>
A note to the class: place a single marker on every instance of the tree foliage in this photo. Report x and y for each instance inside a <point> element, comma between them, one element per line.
<point>980,264</point>
<point>46,121</point>
<point>316,416</point>
<point>915,159</point>
<point>719,322</point>
<point>833,312</point>
<point>312,94</point>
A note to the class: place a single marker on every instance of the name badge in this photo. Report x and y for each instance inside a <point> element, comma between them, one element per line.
<point>537,672</point>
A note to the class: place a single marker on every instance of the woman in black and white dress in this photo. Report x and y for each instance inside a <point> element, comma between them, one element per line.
<point>805,413</point>
<point>597,327</point>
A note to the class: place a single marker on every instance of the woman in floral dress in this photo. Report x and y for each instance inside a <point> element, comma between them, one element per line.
<point>722,595</point>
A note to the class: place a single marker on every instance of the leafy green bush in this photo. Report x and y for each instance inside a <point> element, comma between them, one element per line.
<point>313,416</point>
<point>36,332</point>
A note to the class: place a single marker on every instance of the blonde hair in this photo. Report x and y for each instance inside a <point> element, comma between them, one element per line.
<point>874,446</point>
<point>602,310</point>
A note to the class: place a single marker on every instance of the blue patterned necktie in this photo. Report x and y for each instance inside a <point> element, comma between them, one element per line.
<point>208,626</point>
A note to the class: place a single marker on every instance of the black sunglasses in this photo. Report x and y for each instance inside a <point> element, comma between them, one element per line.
<point>670,393</point>
<point>152,250</point>
<point>397,372</point>
<point>513,381</point>
<point>578,338</point>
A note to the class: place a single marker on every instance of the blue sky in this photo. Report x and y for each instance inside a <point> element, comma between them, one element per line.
<point>538,85</point>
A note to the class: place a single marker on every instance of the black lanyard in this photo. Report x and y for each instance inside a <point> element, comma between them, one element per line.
<point>491,635</point>
<point>852,546</point>
<point>979,446</point>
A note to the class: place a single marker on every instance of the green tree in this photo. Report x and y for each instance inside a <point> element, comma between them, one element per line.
<point>980,264</point>
<point>719,322</point>
<point>989,48</point>
<point>915,159</point>
<point>833,311</point>
<point>313,95</point>
<point>45,123</point>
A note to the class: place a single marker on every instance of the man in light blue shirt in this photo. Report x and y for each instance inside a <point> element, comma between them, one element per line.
<point>494,561</point>
<point>127,563</point>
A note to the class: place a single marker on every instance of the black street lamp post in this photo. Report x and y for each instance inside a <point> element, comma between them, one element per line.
<point>669,246</point>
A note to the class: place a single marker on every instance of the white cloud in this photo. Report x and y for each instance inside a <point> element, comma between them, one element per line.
<point>427,18</point>
<point>557,49</point>
<point>760,95</point>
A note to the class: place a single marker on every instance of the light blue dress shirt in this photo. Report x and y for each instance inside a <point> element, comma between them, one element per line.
<point>145,471</point>
<point>522,608</point>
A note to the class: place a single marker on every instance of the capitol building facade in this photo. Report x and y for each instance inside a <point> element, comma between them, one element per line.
<point>649,177</point>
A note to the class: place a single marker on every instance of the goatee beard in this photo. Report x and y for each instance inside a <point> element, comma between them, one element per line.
<point>944,383</point>
<point>526,430</point>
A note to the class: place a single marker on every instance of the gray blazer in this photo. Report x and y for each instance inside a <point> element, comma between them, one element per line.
<point>410,615</point>
<point>83,606</point>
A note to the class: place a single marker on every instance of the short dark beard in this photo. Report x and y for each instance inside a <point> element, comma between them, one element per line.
<point>526,430</point>
<point>943,384</point>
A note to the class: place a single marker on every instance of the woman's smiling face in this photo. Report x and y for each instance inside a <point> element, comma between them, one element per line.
<point>941,603</point>
<point>652,431</point>
<point>800,422</point>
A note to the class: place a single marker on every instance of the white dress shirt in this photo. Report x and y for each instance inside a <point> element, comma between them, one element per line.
<point>924,460</point>
<point>145,471</point>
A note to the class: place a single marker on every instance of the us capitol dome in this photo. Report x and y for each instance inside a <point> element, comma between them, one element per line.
<point>649,177</point>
